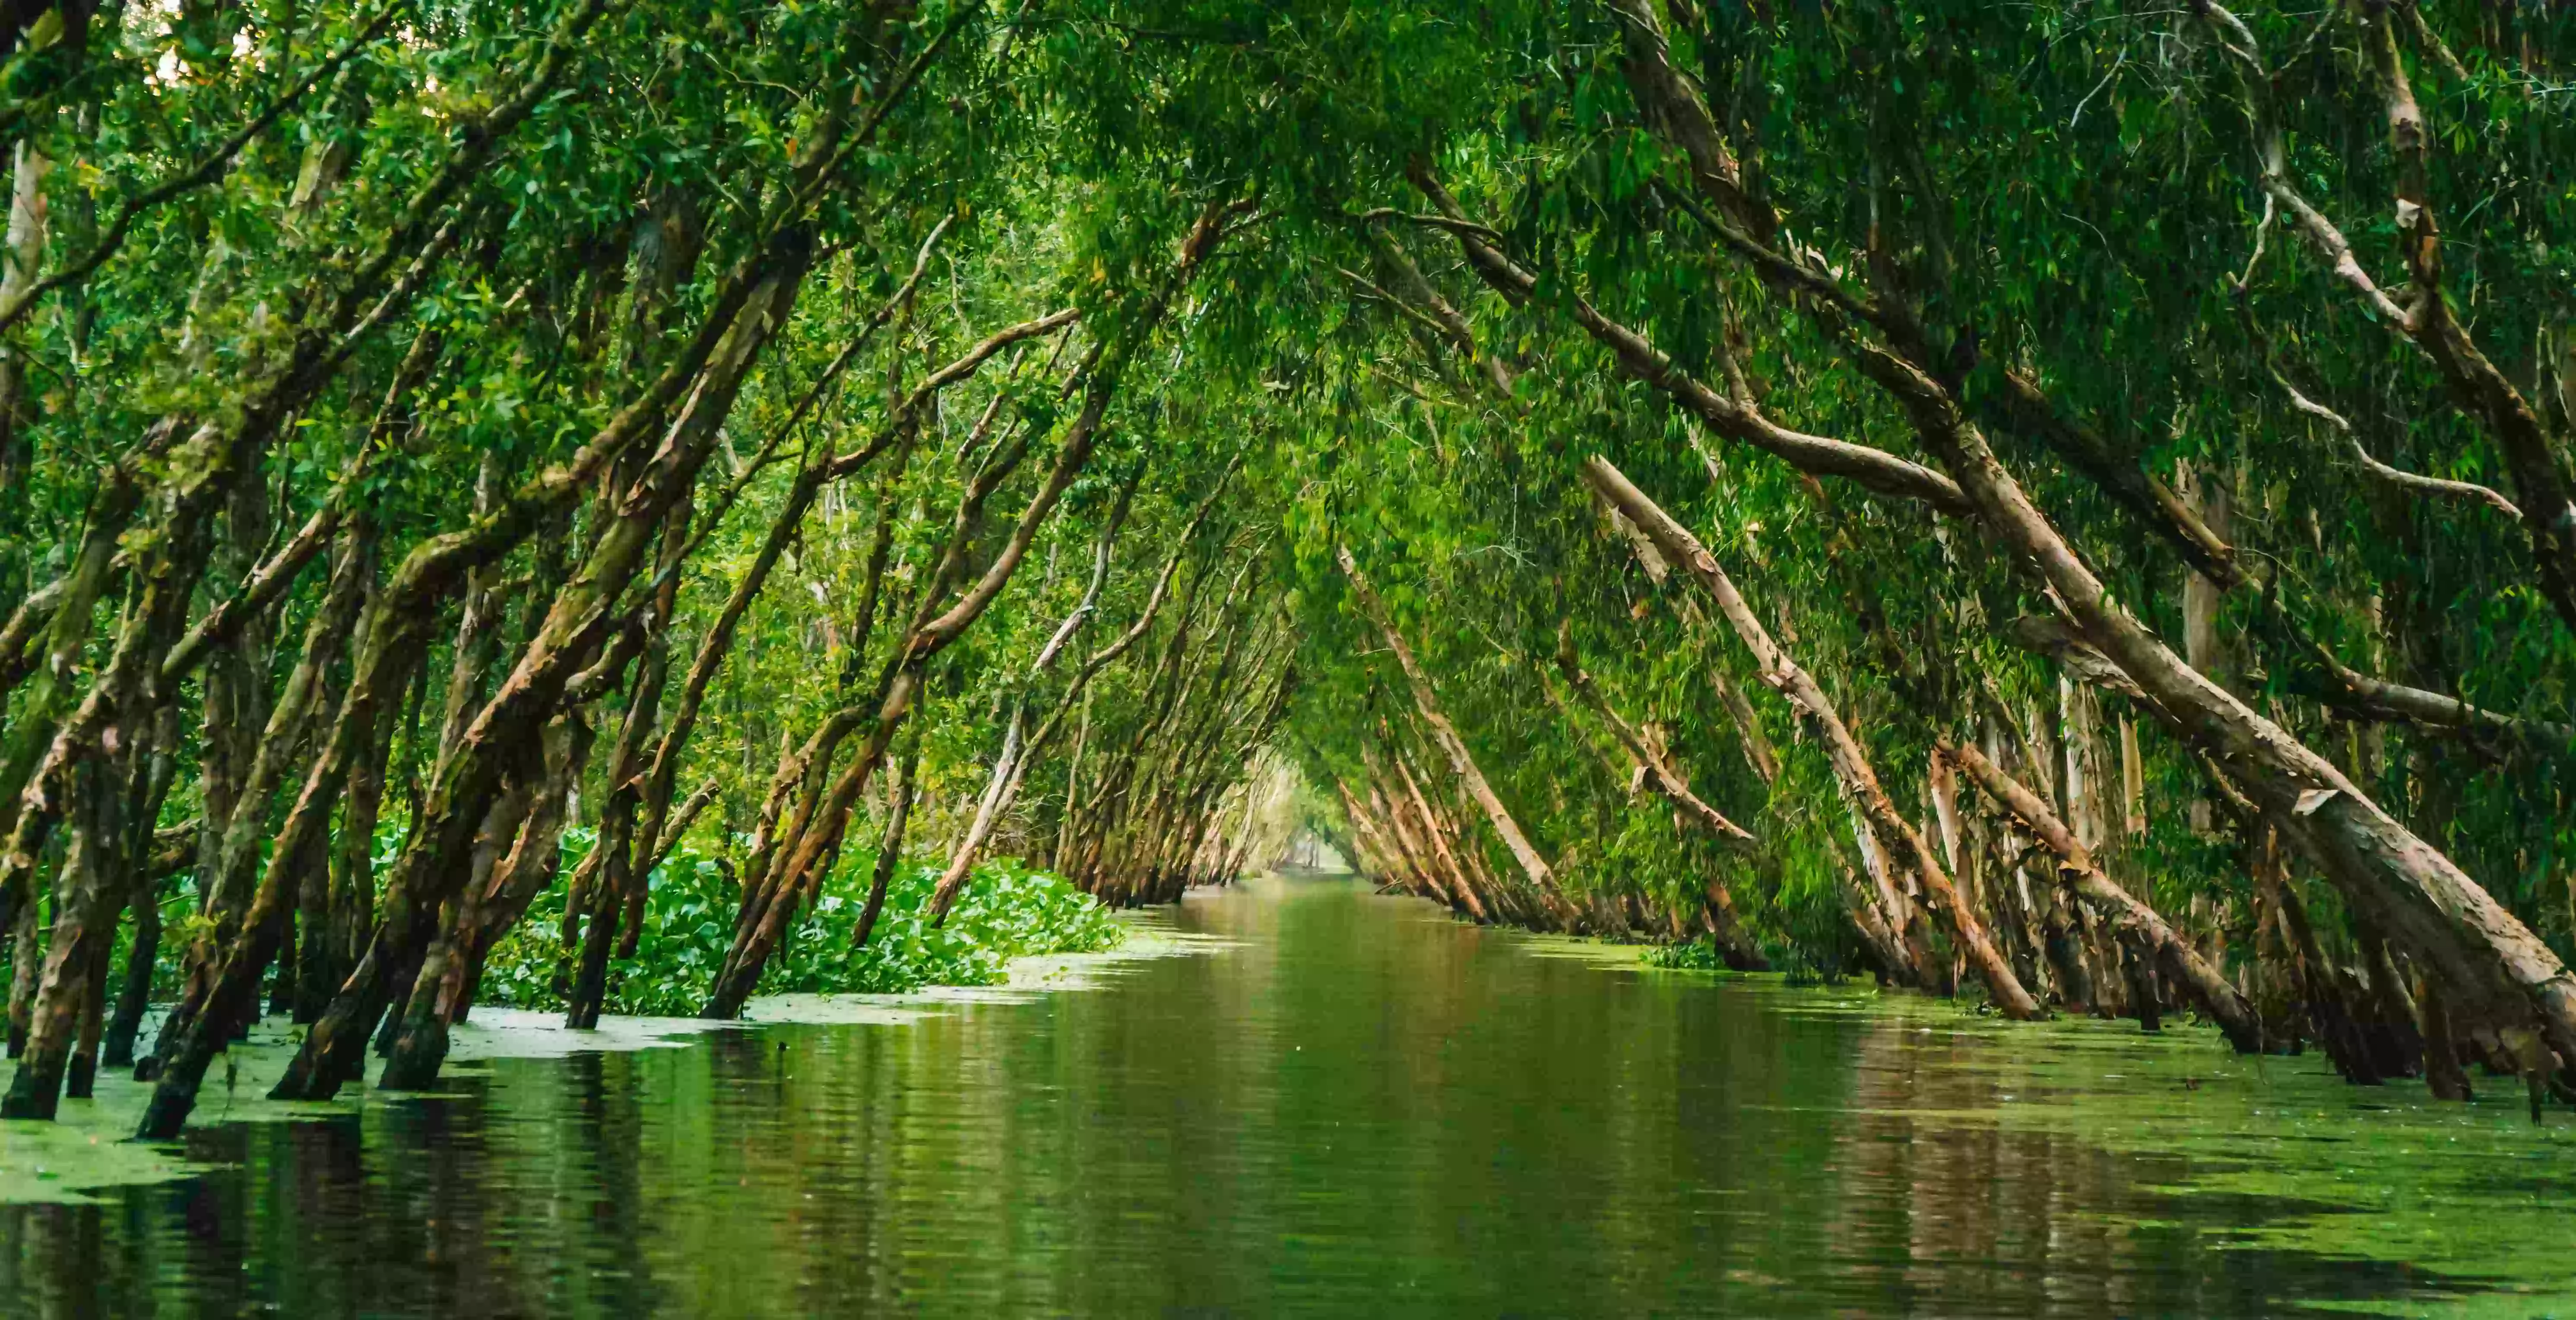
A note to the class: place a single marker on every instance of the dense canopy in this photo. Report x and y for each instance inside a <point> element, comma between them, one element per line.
<point>2067,503</point>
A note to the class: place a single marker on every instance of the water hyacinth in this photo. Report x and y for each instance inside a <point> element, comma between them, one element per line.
<point>1007,911</point>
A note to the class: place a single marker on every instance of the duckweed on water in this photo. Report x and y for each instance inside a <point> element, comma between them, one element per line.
<point>1015,932</point>
<point>2472,1192</point>
<point>1008,913</point>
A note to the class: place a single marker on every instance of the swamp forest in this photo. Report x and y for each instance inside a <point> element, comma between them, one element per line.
<point>1287,656</point>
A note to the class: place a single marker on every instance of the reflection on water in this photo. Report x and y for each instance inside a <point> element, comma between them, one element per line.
<point>1358,1107</point>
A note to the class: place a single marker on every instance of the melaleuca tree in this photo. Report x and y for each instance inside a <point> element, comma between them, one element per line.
<point>2067,500</point>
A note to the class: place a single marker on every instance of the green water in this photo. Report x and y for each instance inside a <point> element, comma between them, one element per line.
<point>1350,1106</point>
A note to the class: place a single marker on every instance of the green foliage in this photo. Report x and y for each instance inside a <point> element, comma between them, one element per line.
<point>1007,911</point>
<point>2060,189</point>
<point>1699,955</point>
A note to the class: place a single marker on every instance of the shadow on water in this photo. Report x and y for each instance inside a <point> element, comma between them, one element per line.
<point>1355,1106</point>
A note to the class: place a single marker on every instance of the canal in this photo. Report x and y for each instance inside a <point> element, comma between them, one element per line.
<point>1299,1097</point>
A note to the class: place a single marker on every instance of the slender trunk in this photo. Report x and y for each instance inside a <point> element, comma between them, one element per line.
<point>617,891</point>
<point>1852,771</point>
<point>2442,1071</point>
<point>804,868</point>
<point>35,714</point>
<point>24,256</point>
<point>125,853</point>
<point>574,629</point>
<point>1658,773</point>
<point>229,866</point>
<point>2509,983</point>
<point>420,1043</point>
<point>85,754</point>
<point>907,790</point>
<point>302,713</point>
<point>27,955</point>
<point>81,1079</point>
<point>530,869</point>
<point>478,624</point>
<point>135,993</point>
<point>2396,1042</point>
<point>1462,762</point>
<point>198,1029</point>
<point>2138,923</point>
<point>152,856</point>
<point>999,790</point>
<point>1438,835</point>
<point>222,457</point>
<point>2066,957</point>
<point>1064,834</point>
<point>2322,986</point>
<point>1011,766</point>
<point>75,957</point>
<point>1455,889</point>
<point>931,634</point>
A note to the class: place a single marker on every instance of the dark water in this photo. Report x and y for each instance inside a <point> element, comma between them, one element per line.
<point>1358,1108</point>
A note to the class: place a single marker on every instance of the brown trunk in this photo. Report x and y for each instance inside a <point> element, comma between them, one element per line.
<point>231,864</point>
<point>27,954</point>
<point>1438,837</point>
<point>529,870</point>
<point>1010,770</point>
<point>2396,1042</point>
<point>2442,1071</point>
<point>478,624</point>
<point>135,992</point>
<point>1369,853</point>
<point>907,790</point>
<point>2510,983</point>
<point>802,870</point>
<point>2323,988</point>
<point>2066,958</point>
<point>420,1044</point>
<point>80,1081</point>
<point>87,898</point>
<point>2139,925</point>
<point>91,767</point>
<point>222,458</point>
<point>1852,771</point>
<point>1658,773</point>
<point>432,862</point>
<point>1410,853</point>
<point>34,714</point>
<point>1462,762</point>
<point>24,256</point>
<point>2478,388</point>
<point>616,886</point>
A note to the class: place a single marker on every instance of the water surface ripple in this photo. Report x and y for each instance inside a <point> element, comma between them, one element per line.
<point>1356,1106</point>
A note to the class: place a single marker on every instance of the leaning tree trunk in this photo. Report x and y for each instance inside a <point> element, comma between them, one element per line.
<point>613,854</point>
<point>1852,771</point>
<point>804,867</point>
<point>393,638</point>
<point>2507,978</point>
<point>2206,985</point>
<point>907,791</point>
<point>934,633</point>
<point>1462,762</point>
<point>1738,948</point>
<point>502,735</point>
<point>2509,983</point>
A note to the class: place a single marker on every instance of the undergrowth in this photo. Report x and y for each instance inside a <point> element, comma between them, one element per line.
<point>1007,911</point>
<point>1701,955</point>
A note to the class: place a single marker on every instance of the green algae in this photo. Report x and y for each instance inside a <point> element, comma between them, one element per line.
<point>86,1150</point>
<point>2255,1154</point>
<point>2473,1193</point>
